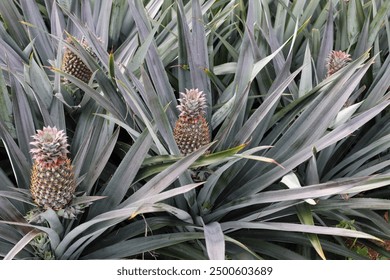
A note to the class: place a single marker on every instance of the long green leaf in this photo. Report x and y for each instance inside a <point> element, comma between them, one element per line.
<point>308,192</point>
<point>21,244</point>
<point>326,44</point>
<point>18,160</point>
<point>298,228</point>
<point>166,177</point>
<point>124,175</point>
<point>53,236</point>
<point>215,241</point>
<point>153,61</point>
<point>305,216</point>
<point>154,165</point>
<point>97,225</point>
<point>43,43</point>
<point>142,244</point>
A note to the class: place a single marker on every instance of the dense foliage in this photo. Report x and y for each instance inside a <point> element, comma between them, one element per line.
<point>298,166</point>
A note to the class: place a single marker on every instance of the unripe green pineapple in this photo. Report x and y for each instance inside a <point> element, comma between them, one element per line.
<point>52,178</point>
<point>73,65</point>
<point>336,60</point>
<point>191,130</point>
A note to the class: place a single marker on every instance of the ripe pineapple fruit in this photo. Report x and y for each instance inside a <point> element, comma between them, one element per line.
<point>191,130</point>
<point>52,178</point>
<point>73,65</point>
<point>336,60</point>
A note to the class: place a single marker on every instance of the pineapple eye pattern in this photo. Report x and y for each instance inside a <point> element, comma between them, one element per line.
<point>191,129</point>
<point>73,65</point>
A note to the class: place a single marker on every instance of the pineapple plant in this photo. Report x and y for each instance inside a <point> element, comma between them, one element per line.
<point>263,84</point>
<point>52,177</point>
<point>191,129</point>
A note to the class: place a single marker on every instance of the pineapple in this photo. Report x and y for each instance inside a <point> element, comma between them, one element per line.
<point>191,130</point>
<point>73,65</point>
<point>52,177</point>
<point>336,60</point>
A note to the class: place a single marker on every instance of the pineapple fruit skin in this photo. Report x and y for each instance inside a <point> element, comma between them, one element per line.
<point>191,134</point>
<point>52,183</point>
<point>73,65</point>
<point>52,187</point>
<point>191,129</point>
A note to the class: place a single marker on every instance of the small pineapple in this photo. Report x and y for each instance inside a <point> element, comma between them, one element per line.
<point>191,130</point>
<point>52,177</point>
<point>336,60</point>
<point>73,65</point>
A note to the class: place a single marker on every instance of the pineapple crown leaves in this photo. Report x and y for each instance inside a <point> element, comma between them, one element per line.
<point>50,146</point>
<point>336,60</point>
<point>192,103</point>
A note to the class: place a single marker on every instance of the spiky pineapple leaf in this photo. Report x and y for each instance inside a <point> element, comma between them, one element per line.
<point>263,113</point>
<point>154,63</point>
<point>353,203</point>
<point>377,22</point>
<point>130,92</point>
<point>139,245</point>
<point>291,181</point>
<point>162,207</point>
<point>40,82</point>
<point>215,241</point>
<point>84,200</point>
<point>23,242</point>
<point>259,158</point>
<point>298,228</point>
<point>52,235</point>
<point>96,167</point>
<point>361,45</point>
<point>144,244</point>
<point>282,147</point>
<point>111,66</point>
<point>53,220</point>
<point>23,117</point>
<point>326,44</point>
<point>308,192</point>
<point>305,217</point>
<point>101,100</point>
<point>5,105</point>
<point>12,17</point>
<point>38,30</point>
<point>156,164</point>
<point>142,51</point>
<point>159,114</point>
<point>15,194</point>
<point>166,177</point>
<point>379,86</point>
<point>306,77</point>
<point>196,51</point>
<point>93,228</point>
<point>19,162</point>
<point>123,177</point>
